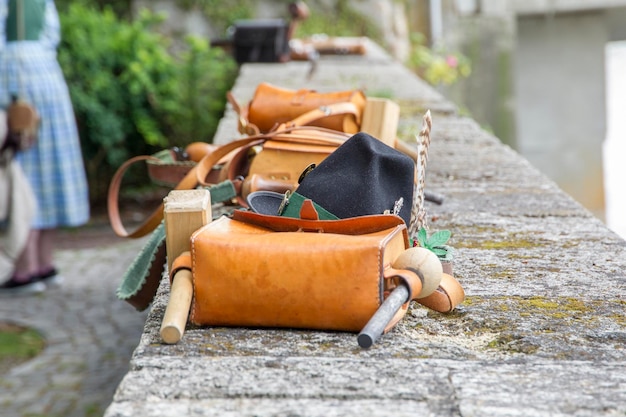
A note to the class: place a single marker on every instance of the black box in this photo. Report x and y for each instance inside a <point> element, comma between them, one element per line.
<point>261,40</point>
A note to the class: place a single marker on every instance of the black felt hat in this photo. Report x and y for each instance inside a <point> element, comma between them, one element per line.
<point>363,176</point>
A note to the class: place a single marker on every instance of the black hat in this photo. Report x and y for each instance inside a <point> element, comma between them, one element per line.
<point>363,176</point>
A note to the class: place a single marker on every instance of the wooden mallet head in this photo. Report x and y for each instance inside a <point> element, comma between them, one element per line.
<point>425,264</point>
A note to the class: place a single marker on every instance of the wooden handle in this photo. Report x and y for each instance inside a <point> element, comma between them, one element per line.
<point>177,311</point>
<point>406,149</point>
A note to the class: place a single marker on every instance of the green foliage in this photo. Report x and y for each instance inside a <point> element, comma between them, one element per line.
<point>335,18</point>
<point>437,66</point>
<point>220,13</point>
<point>436,242</point>
<point>132,95</point>
<point>338,19</point>
<point>19,343</point>
<point>122,8</point>
<point>202,82</point>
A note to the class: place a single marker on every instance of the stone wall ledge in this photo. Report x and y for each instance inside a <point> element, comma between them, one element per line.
<point>541,333</point>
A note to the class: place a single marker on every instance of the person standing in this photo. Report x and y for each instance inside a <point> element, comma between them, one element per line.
<point>54,165</point>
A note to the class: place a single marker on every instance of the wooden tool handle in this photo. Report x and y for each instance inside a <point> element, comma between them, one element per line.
<point>177,311</point>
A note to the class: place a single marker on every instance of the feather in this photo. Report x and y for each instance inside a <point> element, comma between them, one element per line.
<point>418,211</point>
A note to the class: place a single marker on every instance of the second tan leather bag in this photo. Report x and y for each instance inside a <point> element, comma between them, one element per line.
<point>271,106</point>
<point>275,164</point>
<point>245,274</point>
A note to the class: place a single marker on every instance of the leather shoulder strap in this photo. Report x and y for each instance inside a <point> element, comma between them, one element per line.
<point>206,164</point>
<point>324,111</point>
<point>188,182</point>
<point>243,124</point>
<point>113,204</point>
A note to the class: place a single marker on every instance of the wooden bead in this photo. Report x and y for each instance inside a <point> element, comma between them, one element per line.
<point>425,264</point>
<point>197,150</point>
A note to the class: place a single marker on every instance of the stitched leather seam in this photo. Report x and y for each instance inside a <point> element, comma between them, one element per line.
<point>193,279</point>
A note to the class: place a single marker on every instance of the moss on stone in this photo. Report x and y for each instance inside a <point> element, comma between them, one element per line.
<point>508,244</point>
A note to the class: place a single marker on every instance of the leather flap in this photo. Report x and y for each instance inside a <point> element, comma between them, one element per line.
<point>350,226</point>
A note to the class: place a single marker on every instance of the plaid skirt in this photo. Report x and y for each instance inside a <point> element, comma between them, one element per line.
<point>55,165</point>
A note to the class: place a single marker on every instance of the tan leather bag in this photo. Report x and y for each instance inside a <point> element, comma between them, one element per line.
<point>271,106</point>
<point>245,274</point>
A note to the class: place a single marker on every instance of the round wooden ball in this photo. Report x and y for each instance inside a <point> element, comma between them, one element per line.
<point>425,264</point>
<point>197,150</point>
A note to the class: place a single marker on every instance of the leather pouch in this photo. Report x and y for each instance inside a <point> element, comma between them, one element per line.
<point>23,124</point>
<point>327,275</point>
<point>271,106</point>
<point>166,169</point>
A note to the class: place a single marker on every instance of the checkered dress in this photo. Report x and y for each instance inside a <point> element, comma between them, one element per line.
<point>55,165</point>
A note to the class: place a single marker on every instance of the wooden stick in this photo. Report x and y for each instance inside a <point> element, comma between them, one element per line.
<point>380,119</point>
<point>185,211</point>
<point>406,149</point>
<point>177,311</point>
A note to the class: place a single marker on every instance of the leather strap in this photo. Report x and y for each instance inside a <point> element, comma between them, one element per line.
<point>408,278</point>
<point>243,125</point>
<point>414,285</point>
<point>113,204</point>
<point>182,261</point>
<point>324,111</point>
<point>448,295</point>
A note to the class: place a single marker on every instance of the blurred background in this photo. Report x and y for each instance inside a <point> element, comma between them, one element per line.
<point>547,77</point>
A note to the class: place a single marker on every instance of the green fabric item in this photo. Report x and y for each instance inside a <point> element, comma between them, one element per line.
<point>295,204</point>
<point>33,14</point>
<point>224,191</point>
<point>165,156</point>
<point>137,273</point>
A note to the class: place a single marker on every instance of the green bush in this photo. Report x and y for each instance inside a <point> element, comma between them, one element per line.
<point>131,94</point>
<point>437,66</point>
<point>333,18</point>
<point>337,18</point>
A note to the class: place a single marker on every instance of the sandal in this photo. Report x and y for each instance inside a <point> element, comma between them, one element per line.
<point>50,277</point>
<point>30,286</point>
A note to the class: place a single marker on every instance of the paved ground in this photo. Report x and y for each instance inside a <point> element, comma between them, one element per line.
<point>90,334</point>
